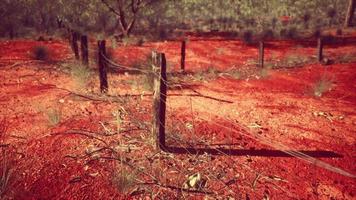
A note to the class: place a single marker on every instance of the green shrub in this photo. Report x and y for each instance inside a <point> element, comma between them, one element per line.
<point>40,53</point>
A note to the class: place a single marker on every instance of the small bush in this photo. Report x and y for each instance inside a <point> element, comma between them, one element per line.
<point>140,42</point>
<point>205,75</point>
<point>267,34</point>
<point>53,116</point>
<point>236,74</point>
<point>322,85</point>
<point>346,58</point>
<point>163,34</point>
<point>80,74</point>
<point>292,33</point>
<point>148,81</point>
<point>40,53</point>
<point>329,39</point>
<point>247,36</point>
<point>127,41</point>
<point>317,33</point>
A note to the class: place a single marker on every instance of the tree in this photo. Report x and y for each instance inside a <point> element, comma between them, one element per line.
<point>127,12</point>
<point>11,14</point>
<point>350,13</point>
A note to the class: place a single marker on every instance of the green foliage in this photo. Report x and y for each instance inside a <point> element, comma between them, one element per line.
<point>40,53</point>
<point>160,16</point>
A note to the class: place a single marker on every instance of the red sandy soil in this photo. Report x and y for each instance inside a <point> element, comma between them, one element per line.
<point>49,163</point>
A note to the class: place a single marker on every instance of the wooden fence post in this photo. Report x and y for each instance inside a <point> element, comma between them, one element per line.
<point>261,53</point>
<point>84,49</point>
<point>102,66</point>
<point>320,49</point>
<point>159,99</point>
<point>74,41</point>
<point>182,61</point>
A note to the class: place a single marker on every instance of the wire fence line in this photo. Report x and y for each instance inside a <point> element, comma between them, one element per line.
<point>276,145</point>
<point>242,130</point>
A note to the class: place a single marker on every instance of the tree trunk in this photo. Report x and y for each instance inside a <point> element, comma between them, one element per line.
<point>84,49</point>
<point>11,32</point>
<point>102,66</point>
<point>75,47</point>
<point>182,62</point>
<point>350,13</point>
<point>59,23</point>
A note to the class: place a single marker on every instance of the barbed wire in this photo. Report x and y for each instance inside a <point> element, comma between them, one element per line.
<point>264,140</point>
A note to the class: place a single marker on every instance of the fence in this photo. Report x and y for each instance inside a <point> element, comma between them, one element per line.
<point>159,120</point>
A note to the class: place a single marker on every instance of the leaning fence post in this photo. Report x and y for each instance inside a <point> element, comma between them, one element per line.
<point>182,61</point>
<point>261,53</point>
<point>320,49</point>
<point>102,66</point>
<point>159,98</point>
<point>84,49</point>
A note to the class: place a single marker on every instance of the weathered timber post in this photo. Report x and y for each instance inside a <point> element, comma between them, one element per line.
<point>102,66</point>
<point>159,99</point>
<point>320,49</point>
<point>84,49</point>
<point>182,61</point>
<point>74,42</point>
<point>261,53</point>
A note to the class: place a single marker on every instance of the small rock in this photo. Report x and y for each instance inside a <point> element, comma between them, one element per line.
<point>61,101</point>
<point>94,174</point>
<point>326,61</point>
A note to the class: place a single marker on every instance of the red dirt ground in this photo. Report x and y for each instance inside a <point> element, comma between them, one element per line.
<point>46,161</point>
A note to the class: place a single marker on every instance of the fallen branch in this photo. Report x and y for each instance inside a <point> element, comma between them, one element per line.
<point>83,133</point>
